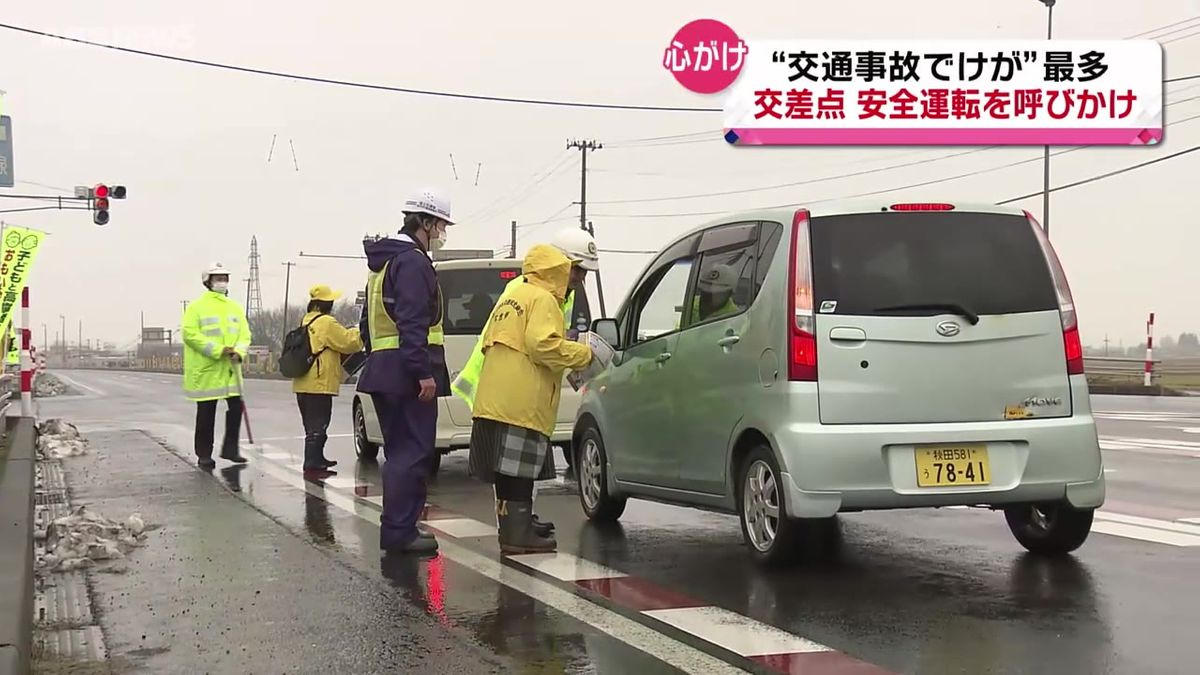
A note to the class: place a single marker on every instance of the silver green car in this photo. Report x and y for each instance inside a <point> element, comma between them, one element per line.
<point>791,364</point>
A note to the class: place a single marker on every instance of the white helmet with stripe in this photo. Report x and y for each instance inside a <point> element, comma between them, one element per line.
<point>215,269</point>
<point>430,201</point>
<point>579,246</point>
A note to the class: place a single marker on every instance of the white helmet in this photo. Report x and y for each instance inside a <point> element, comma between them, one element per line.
<point>431,201</point>
<point>717,279</point>
<point>578,245</point>
<point>215,269</point>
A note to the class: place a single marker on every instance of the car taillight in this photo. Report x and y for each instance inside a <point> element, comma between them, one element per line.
<point>922,207</point>
<point>1072,344</point>
<point>802,341</point>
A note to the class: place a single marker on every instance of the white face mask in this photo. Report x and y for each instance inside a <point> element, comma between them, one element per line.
<point>438,240</point>
<point>220,286</point>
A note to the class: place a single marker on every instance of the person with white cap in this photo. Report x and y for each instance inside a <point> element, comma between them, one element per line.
<point>578,245</point>
<point>216,338</point>
<point>328,342</point>
<point>405,370</point>
<point>715,298</point>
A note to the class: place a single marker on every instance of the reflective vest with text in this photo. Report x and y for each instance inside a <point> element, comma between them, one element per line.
<point>465,385</point>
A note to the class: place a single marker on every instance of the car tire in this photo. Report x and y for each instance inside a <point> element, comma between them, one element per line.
<point>1054,528</point>
<point>437,463</point>
<point>773,538</point>
<point>365,449</point>
<point>591,471</point>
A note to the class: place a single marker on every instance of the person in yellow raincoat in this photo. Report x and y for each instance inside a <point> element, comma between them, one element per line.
<point>517,400</point>
<point>329,341</point>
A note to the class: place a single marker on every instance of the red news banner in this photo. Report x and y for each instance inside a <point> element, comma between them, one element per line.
<point>958,92</point>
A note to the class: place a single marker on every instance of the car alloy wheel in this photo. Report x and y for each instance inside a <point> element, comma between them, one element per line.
<point>591,474</point>
<point>760,504</point>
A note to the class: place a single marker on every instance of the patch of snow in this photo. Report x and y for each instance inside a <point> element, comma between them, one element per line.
<point>86,538</point>
<point>58,439</point>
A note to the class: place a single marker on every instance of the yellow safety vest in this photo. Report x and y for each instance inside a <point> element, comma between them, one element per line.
<point>465,385</point>
<point>380,325</point>
<point>730,307</point>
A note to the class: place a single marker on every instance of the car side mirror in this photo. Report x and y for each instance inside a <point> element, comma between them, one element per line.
<point>608,330</point>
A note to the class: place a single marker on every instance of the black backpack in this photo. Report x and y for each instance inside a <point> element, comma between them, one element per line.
<point>298,357</point>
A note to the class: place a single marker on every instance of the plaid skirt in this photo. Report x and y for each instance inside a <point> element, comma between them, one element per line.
<point>497,447</point>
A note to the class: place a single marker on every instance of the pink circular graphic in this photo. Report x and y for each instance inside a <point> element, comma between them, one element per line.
<point>705,56</point>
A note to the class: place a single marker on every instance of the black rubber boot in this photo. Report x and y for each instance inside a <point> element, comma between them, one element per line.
<point>543,527</point>
<point>516,533</point>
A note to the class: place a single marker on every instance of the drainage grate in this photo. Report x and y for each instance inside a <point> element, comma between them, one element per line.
<point>50,497</point>
<point>63,600</point>
<point>76,643</point>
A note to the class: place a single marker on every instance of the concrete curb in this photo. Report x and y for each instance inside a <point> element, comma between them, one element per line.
<point>18,455</point>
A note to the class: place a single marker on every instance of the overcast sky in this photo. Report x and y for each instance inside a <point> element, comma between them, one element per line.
<point>191,143</point>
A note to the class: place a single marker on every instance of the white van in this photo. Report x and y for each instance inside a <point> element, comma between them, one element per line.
<point>470,289</point>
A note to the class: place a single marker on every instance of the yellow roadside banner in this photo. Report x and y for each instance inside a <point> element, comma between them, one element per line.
<point>20,247</point>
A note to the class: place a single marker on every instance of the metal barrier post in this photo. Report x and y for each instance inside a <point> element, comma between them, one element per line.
<point>26,358</point>
<point>1149,351</point>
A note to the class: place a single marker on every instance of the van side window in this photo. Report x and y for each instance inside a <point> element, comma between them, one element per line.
<point>768,243</point>
<point>657,307</point>
<point>726,282</point>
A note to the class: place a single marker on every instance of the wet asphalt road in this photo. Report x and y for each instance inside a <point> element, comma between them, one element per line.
<point>946,591</point>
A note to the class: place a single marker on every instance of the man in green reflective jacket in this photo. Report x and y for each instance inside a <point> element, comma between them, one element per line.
<point>216,337</point>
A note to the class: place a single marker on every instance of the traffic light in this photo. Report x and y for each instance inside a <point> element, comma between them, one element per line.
<point>99,195</point>
<point>100,204</point>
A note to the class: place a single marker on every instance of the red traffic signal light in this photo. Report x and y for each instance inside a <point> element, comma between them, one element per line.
<point>100,204</point>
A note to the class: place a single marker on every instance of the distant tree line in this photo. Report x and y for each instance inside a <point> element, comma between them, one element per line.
<point>268,328</point>
<point>1167,346</point>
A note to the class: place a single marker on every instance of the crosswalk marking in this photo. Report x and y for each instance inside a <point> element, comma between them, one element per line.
<point>563,566</point>
<point>1153,446</point>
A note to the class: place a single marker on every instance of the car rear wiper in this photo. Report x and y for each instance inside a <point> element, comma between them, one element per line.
<point>952,307</point>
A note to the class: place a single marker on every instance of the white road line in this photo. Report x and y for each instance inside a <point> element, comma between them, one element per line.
<point>737,633</point>
<point>658,645</point>
<point>72,381</point>
<point>462,528</point>
<point>1153,523</point>
<point>281,456</point>
<point>1145,533</point>
<point>564,566</point>
<point>376,500</point>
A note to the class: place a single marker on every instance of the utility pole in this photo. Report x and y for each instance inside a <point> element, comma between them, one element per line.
<point>81,340</point>
<point>1046,157</point>
<point>512,241</point>
<point>599,284</point>
<point>287,289</point>
<point>583,146</point>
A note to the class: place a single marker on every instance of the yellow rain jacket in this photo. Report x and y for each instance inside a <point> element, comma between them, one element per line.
<point>526,352</point>
<point>326,375</point>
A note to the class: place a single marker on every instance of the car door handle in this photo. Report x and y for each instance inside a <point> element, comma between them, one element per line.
<point>662,358</point>
<point>845,334</point>
<point>729,340</point>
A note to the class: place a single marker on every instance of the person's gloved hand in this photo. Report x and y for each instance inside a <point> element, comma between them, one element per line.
<point>428,389</point>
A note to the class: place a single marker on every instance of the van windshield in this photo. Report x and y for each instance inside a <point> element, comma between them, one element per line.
<point>919,264</point>
<point>468,296</point>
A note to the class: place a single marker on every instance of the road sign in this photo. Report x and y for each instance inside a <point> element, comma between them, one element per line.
<point>6,151</point>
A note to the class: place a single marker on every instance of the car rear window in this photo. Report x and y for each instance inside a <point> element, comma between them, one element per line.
<point>987,263</point>
<point>468,296</point>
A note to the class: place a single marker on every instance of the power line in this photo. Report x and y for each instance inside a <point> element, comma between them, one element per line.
<point>1170,25</point>
<point>1102,176</point>
<point>872,193</point>
<point>362,85</point>
<point>415,91</point>
<point>851,174</point>
<point>1181,79</point>
<point>514,197</point>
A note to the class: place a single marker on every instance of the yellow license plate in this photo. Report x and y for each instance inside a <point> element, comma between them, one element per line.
<point>952,465</point>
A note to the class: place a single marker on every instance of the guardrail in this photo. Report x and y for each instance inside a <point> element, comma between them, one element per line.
<point>6,396</point>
